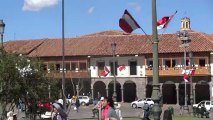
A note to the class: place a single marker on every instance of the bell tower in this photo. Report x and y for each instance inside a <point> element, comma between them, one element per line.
<point>185,24</point>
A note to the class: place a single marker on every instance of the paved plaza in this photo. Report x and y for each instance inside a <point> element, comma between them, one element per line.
<point>85,112</point>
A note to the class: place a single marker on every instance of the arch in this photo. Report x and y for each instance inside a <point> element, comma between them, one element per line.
<point>202,82</point>
<point>169,82</point>
<point>182,93</point>
<point>99,89</point>
<point>111,90</point>
<point>129,91</point>
<point>202,91</point>
<point>169,93</point>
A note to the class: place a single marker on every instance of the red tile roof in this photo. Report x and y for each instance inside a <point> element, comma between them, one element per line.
<point>100,44</point>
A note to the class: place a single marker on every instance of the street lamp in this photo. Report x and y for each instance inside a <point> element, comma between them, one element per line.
<point>191,87</point>
<point>2,25</point>
<point>184,37</point>
<point>156,95</point>
<point>113,45</point>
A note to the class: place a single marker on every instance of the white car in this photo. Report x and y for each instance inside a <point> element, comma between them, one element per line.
<point>140,102</point>
<point>207,104</point>
<point>84,100</point>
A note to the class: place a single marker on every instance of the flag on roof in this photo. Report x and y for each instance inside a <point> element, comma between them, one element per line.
<point>127,23</point>
<point>163,22</point>
<point>121,67</point>
<point>105,72</point>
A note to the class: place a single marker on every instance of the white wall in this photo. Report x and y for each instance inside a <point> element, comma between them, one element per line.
<point>211,63</point>
<point>121,61</point>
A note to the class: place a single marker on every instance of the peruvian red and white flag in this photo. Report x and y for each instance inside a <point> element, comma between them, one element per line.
<point>127,23</point>
<point>105,72</point>
<point>121,67</point>
<point>186,77</point>
<point>163,22</point>
<point>189,72</point>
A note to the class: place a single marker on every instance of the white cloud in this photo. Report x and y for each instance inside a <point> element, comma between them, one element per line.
<point>36,5</point>
<point>136,6</point>
<point>91,9</point>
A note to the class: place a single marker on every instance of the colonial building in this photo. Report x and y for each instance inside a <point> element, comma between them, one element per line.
<point>89,61</point>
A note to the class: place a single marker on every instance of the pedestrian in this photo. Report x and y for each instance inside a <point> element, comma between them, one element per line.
<point>118,111</point>
<point>58,112</point>
<point>146,109</point>
<point>108,111</point>
<point>97,107</point>
<point>10,115</point>
<point>77,104</point>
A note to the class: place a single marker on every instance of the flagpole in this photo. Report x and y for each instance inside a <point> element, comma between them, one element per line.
<point>146,34</point>
<point>63,74</point>
<point>156,95</point>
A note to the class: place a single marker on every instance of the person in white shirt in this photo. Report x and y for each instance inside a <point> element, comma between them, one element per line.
<point>118,111</point>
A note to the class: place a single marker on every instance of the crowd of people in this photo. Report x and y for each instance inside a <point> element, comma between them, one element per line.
<point>105,109</point>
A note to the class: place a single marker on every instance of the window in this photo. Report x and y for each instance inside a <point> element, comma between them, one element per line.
<point>51,66</point>
<point>202,62</point>
<point>57,66</point>
<point>133,67</point>
<point>150,63</point>
<point>67,66</point>
<point>173,63</point>
<point>44,67</point>
<point>167,63</point>
<point>74,66</point>
<point>183,62</point>
<point>112,68</point>
<point>83,66</point>
<point>100,67</point>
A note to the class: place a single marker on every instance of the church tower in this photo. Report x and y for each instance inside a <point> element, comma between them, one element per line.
<point>185,24</point>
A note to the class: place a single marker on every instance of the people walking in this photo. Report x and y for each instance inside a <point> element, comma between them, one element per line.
<point>58,112</point>
<point>108,111</point>
<point>77,104</point>
<point>97,108</point>
<point>118,111</point>
<point>146,109</point>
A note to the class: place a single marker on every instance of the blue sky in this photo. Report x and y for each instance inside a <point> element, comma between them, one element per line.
<point>38,19</point>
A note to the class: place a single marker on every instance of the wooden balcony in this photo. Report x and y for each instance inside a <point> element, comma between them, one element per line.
<point>178,71</point>
<point>69,74</point>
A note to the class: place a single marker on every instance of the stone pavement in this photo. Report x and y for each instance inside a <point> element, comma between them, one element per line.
<point>85,112</point>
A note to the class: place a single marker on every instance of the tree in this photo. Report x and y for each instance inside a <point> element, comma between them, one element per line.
<point>22,77</point>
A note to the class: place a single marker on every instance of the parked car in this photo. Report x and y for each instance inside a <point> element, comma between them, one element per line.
<point>84,100</point>
<point>44,106</point>
<point>140,102</point>
<point>207,104</point>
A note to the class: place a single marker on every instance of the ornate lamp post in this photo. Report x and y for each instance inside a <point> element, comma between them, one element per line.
<point>2,25</point>
<point>156,86</point>
<point>191,83</point>
<point>113,45</point>
<point>184,37</point>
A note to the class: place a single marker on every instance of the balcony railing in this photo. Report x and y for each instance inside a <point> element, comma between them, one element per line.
<point>177,71</point>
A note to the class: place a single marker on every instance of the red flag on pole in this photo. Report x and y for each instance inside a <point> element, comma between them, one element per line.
<point>186,77</point>
<point>128,23</point>
<point>105,72</point>
<point>121,67</point>
<point>163,22</point>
